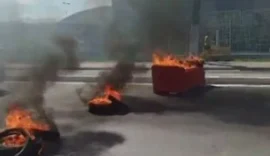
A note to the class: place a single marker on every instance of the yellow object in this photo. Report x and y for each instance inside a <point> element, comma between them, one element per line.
<point>216,51</point>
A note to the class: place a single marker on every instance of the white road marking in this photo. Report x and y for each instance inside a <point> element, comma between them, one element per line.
<point>238,75</point>
<point>241,85</point>
<point>213,77</point>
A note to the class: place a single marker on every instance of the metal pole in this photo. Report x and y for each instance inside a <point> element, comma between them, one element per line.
<point>230,34</point>
<point>194,31</point>
<point>217,38</point>
<point>196,12</point>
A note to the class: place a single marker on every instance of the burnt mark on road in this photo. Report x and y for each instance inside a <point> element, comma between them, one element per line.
<point>239,106</point>
<point>159,106</point>
<point>248,106</point>
<point>87,143</point>
<point>3,92</point>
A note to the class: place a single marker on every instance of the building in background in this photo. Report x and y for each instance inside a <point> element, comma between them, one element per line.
<point>241,25</point>
<point>131,24</point>
<point>90,28</point>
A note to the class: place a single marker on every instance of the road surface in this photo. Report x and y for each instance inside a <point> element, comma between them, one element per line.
<point>257,73</point>
<point>221,122</point>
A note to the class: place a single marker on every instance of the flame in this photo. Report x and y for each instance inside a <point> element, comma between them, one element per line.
<point>15,140</point>
<point>195,60</point>
<point>104,99</point>
<point>20,118</point>
<point>160,59</point>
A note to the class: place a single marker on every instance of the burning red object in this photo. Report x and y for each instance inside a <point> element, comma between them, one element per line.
<point>175,75</point>
<point>21,118</point>
<point>197,61</point>
<point>107,104</point>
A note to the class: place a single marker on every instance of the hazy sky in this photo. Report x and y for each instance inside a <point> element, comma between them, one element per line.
<point>45,9</point>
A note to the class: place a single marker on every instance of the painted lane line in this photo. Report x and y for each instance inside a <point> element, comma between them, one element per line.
<point>241,85</point>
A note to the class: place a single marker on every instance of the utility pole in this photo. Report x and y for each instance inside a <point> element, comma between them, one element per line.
<point>195,28</point>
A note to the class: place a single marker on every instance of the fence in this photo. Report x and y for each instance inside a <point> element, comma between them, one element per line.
<point>242,30</point>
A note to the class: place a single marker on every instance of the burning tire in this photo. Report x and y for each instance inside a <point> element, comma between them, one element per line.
<point>102,109</point>
<point>115,107</point>
<point>48,135</point>
<point>108,104</point>
<point>18,142</point>
<point>19,117</point>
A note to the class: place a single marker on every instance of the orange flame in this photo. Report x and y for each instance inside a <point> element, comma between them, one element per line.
<point>20,118</point>
<point>108,91</point>
<point>14,140</point>
<point>160,59</point>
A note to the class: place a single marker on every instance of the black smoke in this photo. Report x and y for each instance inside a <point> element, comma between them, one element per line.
<point>137,29</point>
<point>30,94</point>
<point>125,44</point>
<point>69,46</point>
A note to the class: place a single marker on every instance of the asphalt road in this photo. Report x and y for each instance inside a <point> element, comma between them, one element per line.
<point>216,122</point>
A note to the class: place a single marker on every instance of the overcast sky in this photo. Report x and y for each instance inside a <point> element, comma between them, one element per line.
<point>44,9</point>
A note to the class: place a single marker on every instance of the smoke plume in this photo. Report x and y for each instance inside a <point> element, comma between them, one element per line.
<point>117,77</point>
<point>30,94</point>
<point>124,46</point>
<point>39,77</point>
<point>138,27</point>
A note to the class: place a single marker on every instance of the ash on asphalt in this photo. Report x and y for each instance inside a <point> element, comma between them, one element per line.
<point>235,121</point>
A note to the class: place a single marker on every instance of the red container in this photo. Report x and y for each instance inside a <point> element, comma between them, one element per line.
<point>169,79</point>
<point>196,76</point>
<point>201,76</point>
